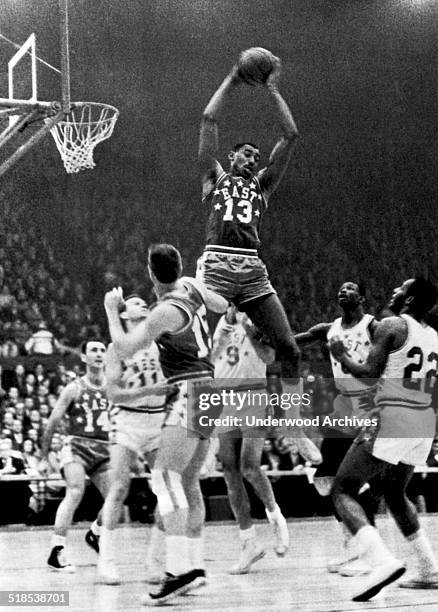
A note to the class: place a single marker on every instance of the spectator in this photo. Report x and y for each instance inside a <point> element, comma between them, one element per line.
<point>40,375</point>
<point>290,459</point>
<point>269,459</point>
<point>35,419</point>
<point>42,342</point>
<point>10,462</point>
<point>33,435</point>
<point>8,420</point>
<point>29,386</point>
<point>54,456</point>
<point>18,379</point>
<point>30,457</point>
<point>17,435</point>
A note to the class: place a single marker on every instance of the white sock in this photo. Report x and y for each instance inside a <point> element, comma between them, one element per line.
<point>58,540</point>
<point>156,551</point>
<point>247,534</point>
<point>275,515</point>
<point>107,544</point>
<point>177,555</point>
<point>422,553</point>
<point>196,552</point>
<point>95,528</point>
<point>371,546</point>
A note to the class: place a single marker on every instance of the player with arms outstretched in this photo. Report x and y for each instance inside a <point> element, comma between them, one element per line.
<point>85,451</point>
<point>404,356</point>
<point>237,200</point>
<point>178,325</point>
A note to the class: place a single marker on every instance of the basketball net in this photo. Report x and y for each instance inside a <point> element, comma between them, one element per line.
<point>87,124</point>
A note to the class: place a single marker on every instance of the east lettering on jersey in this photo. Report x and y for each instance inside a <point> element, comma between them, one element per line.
<point>88,414</point>
<point>236,206</point>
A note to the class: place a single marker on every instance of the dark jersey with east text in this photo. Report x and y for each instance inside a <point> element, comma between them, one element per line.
<point>88,414</point>
<point>186,353</point>
<point>236,206</point>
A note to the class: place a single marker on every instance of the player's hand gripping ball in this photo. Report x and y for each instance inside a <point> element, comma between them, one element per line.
<point>255,65</point>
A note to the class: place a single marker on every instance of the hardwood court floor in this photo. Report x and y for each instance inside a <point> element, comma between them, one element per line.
<point>298,582</point>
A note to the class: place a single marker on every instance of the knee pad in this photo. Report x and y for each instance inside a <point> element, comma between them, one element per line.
<point>168,488</point>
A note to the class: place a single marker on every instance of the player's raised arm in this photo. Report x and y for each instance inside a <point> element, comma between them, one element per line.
<point>209,135</point>
<point>317,333</point>
<point>164,318</point>
<point>279,159</point>
<point>67,396</point>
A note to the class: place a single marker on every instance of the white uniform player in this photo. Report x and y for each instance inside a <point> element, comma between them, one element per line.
<point>355,396</point>
<point>404,358</point>
<point>139,398</point>
<point>239,355</point>
<point>406,418</point>
<point>355,399</point>
<point>138,421</point>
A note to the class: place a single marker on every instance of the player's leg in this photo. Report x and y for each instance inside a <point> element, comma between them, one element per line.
<point>155,553</point>
<point>358,468</point>
<point>74,476</point>
<point>333,449</point>
<point>424,570</point>
<point>268,314</point>
<point>114,486</point>
<point>174,454</point>
<point>195,499</point>
<point>250,457</point>
<point>229,456</point>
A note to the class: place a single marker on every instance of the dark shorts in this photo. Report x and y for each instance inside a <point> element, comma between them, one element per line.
<point>94,455</point>
<point>333,450</point>
<point>237,278</point>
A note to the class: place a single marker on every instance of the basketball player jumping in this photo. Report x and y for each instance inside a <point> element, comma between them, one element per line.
<point>404,355</point>
<point>178,325</point>
<point>355,398</point>
<point>85,450</point>
<point>239,353</point>
<point>236,202</point>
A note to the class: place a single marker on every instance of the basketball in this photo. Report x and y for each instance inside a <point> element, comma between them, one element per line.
<point>255,65</point>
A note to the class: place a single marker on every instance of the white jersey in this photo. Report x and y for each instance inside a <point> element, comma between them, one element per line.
<point>410,371</point>
<point>144,370</point>
<point>358,344</point>
<point>238,359</point>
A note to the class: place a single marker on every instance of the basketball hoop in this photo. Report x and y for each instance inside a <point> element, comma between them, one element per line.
<point>87,124</point>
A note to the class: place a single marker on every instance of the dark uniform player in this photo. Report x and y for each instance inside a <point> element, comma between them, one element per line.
<point>178,325</point>
<point>86,449</point>
<point>236,202</point>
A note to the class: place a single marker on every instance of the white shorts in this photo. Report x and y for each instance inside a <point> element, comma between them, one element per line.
<point>411,451</point>
<point>138,431</point>
<point>404,435</point>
